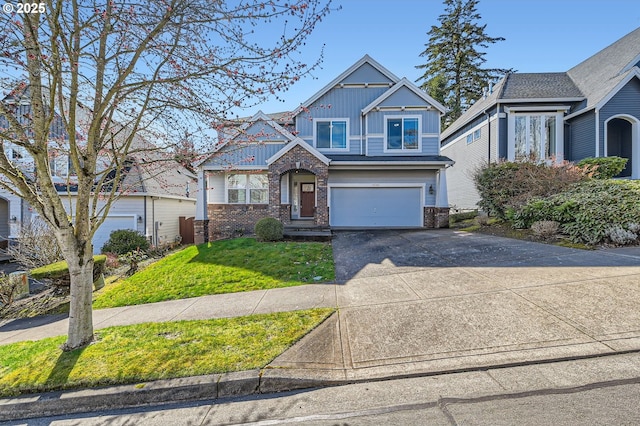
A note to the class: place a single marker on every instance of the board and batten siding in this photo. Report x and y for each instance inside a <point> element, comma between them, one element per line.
<point>387,177</point>
<point>344,102</point>
<point>238,155</point>
<point>366,73</point>
<point>429,131</point>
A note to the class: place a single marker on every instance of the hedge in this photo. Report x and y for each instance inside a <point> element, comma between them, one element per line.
<point>59,271</point>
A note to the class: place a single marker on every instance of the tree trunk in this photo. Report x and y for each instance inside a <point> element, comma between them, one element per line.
<point>80,311</point>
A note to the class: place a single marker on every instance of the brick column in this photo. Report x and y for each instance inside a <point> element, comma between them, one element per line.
<point>200,231</point>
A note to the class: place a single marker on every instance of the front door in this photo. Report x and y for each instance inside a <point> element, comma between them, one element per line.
<point>620,143</point>
<point>307,199</point>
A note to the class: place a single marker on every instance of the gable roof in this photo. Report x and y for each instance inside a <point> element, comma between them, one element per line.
<point>413,88</point>
<point>239,130</point>
<point>595,79</point>
<point>366,59</point>
<point>299,142</point>
<point>478,107</point>
<point>598,75</point>
<point>552,85</point>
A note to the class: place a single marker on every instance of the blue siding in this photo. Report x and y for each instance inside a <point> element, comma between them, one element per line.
<point>237,155</point>
<point>582,137</point>
<point>403,97</point>
<point>366,74</point>
<point>260,131</point>
<point>375,120</point>
<point>430,122</point>
<point>339,102</point>
<point>626,101</point>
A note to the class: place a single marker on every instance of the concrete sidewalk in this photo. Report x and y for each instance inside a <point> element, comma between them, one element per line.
<point>411,303</point>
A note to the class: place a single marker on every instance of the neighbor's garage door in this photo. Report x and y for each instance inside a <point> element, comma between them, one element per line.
<point>376,207</point>
<point>111,224</point>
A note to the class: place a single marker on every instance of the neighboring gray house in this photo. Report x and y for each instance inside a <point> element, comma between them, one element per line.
<point>363,152</point>
<point>154,191</point>
<point>592,110</point>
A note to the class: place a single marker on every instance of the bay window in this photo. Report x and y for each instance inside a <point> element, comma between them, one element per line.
<point>537,136</point>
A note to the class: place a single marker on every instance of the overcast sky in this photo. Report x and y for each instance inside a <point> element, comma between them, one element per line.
<point>541,35</point>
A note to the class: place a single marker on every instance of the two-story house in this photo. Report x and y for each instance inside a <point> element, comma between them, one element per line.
<point>592,110</point>
<point>363,152</point>
<point>154,190</point>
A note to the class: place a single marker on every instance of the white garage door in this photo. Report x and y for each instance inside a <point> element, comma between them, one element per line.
<point>111,223</point>
<point>376,207</point>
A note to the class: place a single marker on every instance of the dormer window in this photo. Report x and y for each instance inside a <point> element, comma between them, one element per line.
<point>402,133</point>
<point>331,134</point>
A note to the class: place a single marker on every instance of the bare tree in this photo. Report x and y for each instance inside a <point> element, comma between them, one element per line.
<point>104,81</point>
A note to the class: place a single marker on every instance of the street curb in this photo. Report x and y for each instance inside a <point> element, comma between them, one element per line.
<point>160,392</point>
<point>209,387</point>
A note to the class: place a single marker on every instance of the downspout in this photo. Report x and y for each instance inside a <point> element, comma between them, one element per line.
<point>154,236</point>
<point>144,212</point>
<point>488,135</point>
<point>361,134</point>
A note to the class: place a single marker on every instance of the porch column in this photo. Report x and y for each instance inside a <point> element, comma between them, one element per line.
<point>201,222</point>
<point>442,199</point>
<point>201,196</point>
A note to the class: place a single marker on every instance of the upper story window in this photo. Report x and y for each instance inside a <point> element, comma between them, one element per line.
<point>331,134</point>
<point>59,164</point>
<point>535,136</point>
<point>247,188</point>
<point>474,136</point>
<point>402,133</point>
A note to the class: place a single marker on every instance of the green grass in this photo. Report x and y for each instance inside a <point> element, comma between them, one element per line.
<point>151,351</point>
<point>229,266</point>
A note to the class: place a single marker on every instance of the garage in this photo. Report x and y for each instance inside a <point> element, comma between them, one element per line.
<point>371,207</point>
<point>112,223</point>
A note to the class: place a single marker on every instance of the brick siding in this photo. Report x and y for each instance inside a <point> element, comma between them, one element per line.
<point>228,220</point>
<point>299,158</point>
<point>436,217</point>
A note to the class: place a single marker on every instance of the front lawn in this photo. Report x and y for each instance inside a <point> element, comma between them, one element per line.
<point>228,266</point>
<point>151,351</point>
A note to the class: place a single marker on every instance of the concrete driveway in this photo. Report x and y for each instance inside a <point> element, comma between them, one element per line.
<point>424,302</point>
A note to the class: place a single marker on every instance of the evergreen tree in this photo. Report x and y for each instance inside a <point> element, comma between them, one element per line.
<point>453,74</point>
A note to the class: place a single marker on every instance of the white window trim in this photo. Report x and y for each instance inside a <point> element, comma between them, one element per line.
<point>392,117</point>
<point>247,198</point>
<point>330,120</point>
<point>511,149</point>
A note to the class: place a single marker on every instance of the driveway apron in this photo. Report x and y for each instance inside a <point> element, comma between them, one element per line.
<point>419,302</point>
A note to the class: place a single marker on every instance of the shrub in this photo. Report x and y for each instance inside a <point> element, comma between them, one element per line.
<point>35,245</point>
<point>59,271</point>
<point>133,258</point>
<point>506,186</point>
<point>603,167</point>
<point>587,211</point>
<point>269,229</point>
<point>618,235</point>
<point>545,228</point>
<point>460,216</point>
<point>8,289</point>
<point>123,241</point>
